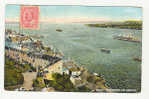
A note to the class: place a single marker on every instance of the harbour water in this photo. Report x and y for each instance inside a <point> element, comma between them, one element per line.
<point>82,44</point>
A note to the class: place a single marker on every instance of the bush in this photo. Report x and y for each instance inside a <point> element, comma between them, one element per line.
<point>39,82</point>
<point>61,83</point>
<point>13,73</point>
<point>84,89</point>
<point>12,77</point>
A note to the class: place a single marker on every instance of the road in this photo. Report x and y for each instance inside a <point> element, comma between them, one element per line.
<point>28,79</point>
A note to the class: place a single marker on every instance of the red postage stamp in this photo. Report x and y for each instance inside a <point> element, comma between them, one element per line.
<point>29,17</point>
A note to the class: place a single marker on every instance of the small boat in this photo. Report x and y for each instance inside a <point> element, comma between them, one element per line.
<point>137,59</point>
<point>105,50</point>
<point>59,30</point>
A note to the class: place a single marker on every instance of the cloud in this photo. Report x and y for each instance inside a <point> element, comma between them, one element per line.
<point>12,19</point>
<point>71,20</point>
<point>134,11</point>
<point>63,20</point>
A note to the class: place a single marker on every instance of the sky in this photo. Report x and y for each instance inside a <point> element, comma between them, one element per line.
<point>78,13</point>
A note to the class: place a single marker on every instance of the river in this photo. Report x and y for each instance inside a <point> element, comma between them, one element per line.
<point>82,44</point>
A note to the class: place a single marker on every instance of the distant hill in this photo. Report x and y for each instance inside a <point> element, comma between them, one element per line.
<point>130,24</point>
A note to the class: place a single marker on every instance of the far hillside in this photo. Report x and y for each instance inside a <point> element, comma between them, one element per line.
<point>123,25</point>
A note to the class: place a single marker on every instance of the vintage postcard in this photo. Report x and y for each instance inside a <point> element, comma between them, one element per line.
<point>73,48</point>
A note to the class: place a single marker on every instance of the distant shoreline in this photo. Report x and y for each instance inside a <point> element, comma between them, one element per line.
<point>121,25</point>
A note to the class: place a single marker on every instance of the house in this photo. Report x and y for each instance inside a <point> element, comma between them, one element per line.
<point>75,71</point>
<point>47,63</point>
<point>53,68</point>
<point>65,70</point>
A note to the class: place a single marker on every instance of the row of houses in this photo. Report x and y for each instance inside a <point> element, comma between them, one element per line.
<point>48,64</point>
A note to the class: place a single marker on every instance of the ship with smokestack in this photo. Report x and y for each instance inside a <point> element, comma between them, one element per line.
<point>128,37</point>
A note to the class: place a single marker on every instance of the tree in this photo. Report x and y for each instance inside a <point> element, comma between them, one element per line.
<point>39,82</point>
<point>12,78</point>
<point>61,83</point>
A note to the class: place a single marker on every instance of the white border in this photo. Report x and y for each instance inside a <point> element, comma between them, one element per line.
<point>78,2</point>
<point>71,95</point>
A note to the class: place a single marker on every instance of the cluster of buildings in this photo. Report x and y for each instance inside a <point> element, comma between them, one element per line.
<point>25,49</point>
